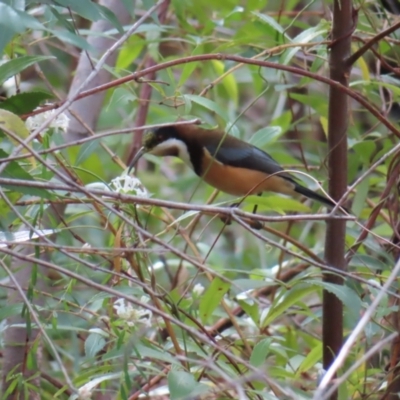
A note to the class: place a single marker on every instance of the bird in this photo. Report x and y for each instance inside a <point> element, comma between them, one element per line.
<point>223,161</point>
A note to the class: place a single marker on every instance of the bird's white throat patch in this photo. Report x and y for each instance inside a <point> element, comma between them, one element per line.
<point>173,147</point>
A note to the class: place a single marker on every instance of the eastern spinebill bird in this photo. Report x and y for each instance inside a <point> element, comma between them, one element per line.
<point>223,161</point>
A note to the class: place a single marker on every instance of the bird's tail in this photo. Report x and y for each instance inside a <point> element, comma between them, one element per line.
<point>313,195</point>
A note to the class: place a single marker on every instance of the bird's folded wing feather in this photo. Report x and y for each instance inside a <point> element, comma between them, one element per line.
<point>249,157</point>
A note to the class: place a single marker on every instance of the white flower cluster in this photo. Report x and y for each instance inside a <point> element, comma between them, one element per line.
<point>126,184</point>
<point>60,122</point>
<point>133,316</point>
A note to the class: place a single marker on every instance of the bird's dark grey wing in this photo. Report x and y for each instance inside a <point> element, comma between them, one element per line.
<point>236,155</point>
<point>243,155</point>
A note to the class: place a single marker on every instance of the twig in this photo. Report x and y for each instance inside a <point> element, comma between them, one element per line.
<point>354,57</point>
<point>75,95</point>
<point>345,350</point>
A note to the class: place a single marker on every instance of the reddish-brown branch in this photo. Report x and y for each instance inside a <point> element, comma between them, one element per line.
<point>374,215</point>
<point>332,319</point>
<point>145,94</point>
<point>354,57</point>
<point>266,64</point>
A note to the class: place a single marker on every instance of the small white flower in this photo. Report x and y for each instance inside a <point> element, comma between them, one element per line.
<point>10,85</point>
<point>374,283</point>
<point>127,184</point>
<point>3,327</point>
<point>60,122</point>
<point>245,296</point>
<point>198,289</point>
<point>84,394</point>
<point>131,315</point>
<point>98,186</point>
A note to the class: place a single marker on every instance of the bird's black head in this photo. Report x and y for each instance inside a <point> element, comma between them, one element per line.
<point>160,140</point>
<point>165,141</point>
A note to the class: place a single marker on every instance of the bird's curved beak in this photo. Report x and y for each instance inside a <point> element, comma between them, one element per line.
<point>135,159</point>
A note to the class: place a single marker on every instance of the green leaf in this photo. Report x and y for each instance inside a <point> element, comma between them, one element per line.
<point>317,102</point>
<point>12,384</point>
<point>23,236</point>
<point>91,11</point>
<point>93,344</point>
<point>155,353</point>
<point>212,298</point>
<point>17,21</point>
<point>129,5</point>
<point>251,309</point>
<point>365,150</point>
<point>14,127</point>
<point>284,121</point>
<point>14,171</point>
<point>266,136</point>
<point>12,22</point>
<point>89,387</point>
<point>277,203</point>
<point>24,103</point>
<point>345,294</point>
<point>251,5</point>
<point>359,200</point>
<point>72,38</point>
<point>85,151</point>
<point>183,386</point>
<point>14,124</point>
<point>10,310</point>
<point>244,285</point>
<point>370,262</point>
<point>5,37</point>
<point>208,104</point>
<point>144,28</point>
<point>272,23</point>
<point>188,68</point>
<point>229,81</point>
<point>85,9</point>
<point>305,37</point>
<point>130,52</point>
<point>109,16</point>
<point>187,72</point>
<point>311,359</point>
<point>260,352</point>
<point>240,287</point>
<point>282,304</point>
<point>16,65</point>
<point>64,22</point>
